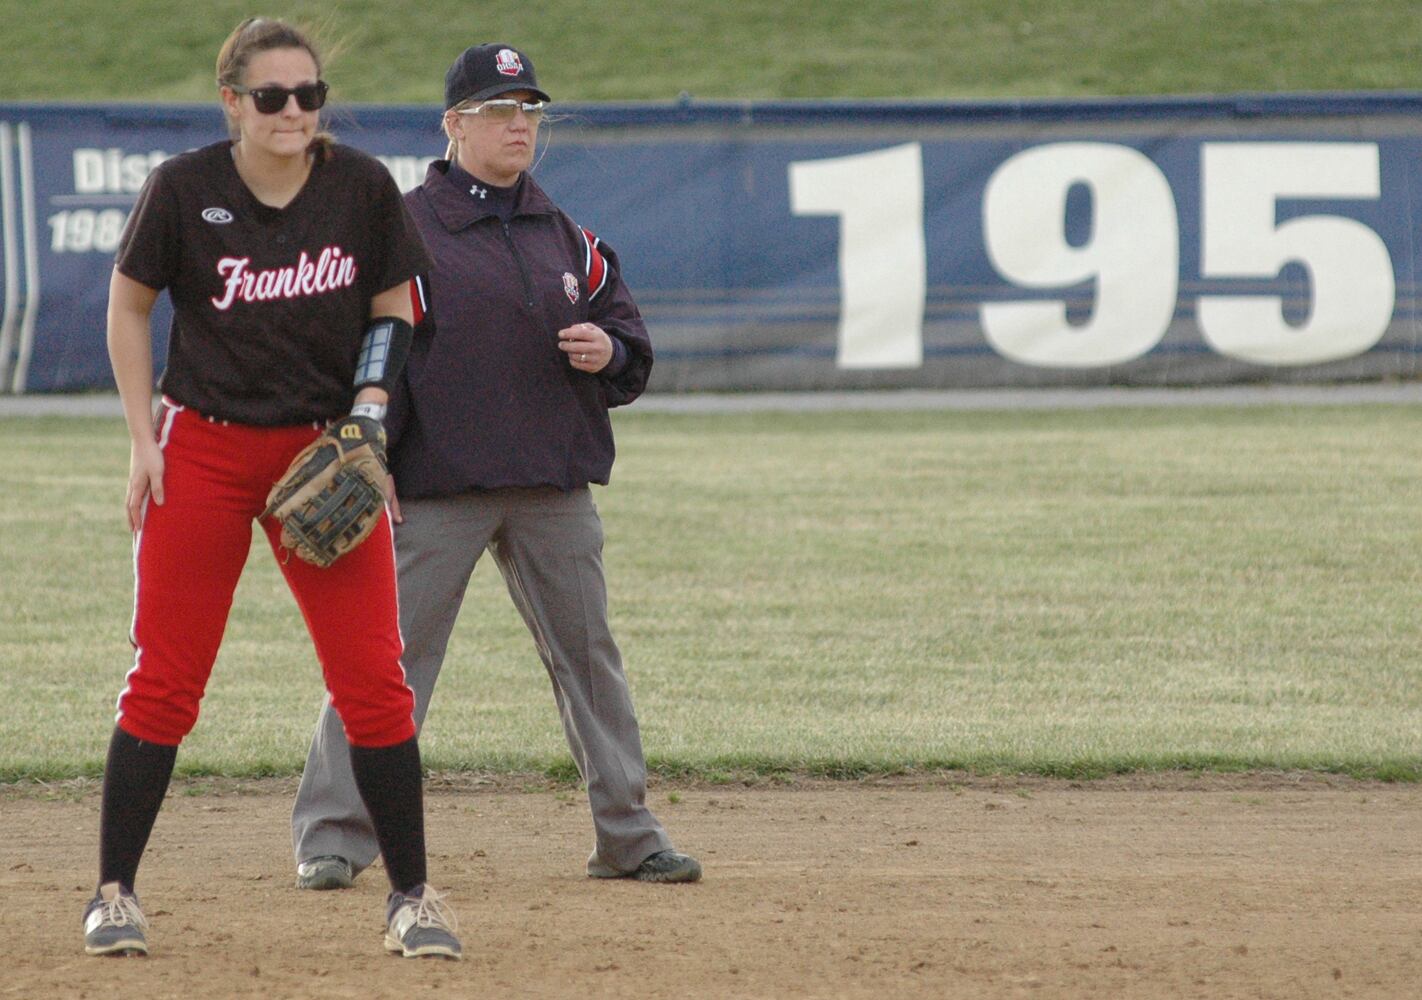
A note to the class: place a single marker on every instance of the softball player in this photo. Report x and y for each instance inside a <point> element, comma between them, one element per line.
<point>279,249</point>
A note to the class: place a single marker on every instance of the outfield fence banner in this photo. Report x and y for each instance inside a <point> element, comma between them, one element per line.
<point>843,245</point>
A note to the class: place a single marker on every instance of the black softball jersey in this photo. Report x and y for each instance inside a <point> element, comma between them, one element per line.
<point>269,305</point>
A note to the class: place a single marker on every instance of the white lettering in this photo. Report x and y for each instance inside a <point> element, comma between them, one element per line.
<point>290,284</point>
<point>332,270</point>
<point>265,285</point>
<point>112,171</point>
<point>878,198</point>
<point>408,171</point>
<point>1131,258</point>
<point>1352,290</point>
<point>306,273</point>
<point>85,230</point>
<point>323,264</point>
<point>88,171</point>
<point>231,268</point>
<point>134,170</point>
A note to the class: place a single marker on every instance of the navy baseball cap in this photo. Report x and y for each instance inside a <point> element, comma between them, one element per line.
<point>485,71</point>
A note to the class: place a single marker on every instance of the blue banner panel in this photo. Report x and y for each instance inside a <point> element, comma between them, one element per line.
<point>865,245</point>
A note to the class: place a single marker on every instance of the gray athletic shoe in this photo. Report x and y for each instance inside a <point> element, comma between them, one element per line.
<point>421,925</point>
<point>664,866</point>
<point>114,923</point>
<point>329,871</point>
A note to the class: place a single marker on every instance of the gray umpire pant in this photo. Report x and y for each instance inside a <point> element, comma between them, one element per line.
<point>548,546</point>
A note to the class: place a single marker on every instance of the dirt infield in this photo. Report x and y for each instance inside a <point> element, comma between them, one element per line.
<point>1259,886</point>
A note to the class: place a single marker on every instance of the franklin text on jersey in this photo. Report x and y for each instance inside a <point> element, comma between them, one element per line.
<point>331,270</point>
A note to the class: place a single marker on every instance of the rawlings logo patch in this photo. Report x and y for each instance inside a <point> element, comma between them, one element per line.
<point>570,287</point>
<point>508,63</point>
<point>216,215</point>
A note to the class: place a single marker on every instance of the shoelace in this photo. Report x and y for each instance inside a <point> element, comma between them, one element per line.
<point>432,911</point>
<point>124,910</point>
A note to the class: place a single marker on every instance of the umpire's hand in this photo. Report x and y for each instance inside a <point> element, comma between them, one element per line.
<point>587,346</point>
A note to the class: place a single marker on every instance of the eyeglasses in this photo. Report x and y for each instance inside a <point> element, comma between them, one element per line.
<point>503,110</point>
<point>271,100</point>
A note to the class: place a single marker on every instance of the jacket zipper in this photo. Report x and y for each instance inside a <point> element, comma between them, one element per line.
<point>522,270</point>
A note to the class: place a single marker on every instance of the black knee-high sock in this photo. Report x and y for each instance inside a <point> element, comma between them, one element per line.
<point>136,777</point>
<point>392,786</point>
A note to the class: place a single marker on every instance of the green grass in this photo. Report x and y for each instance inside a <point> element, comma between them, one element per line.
<point>395,51</point>
<point>1071,593</point>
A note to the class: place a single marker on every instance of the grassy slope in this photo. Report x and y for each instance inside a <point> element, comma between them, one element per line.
<point>1066,593</point>
<point>397,50</point>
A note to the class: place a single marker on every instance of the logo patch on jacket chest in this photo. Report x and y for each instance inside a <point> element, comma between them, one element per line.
<point>570,286</point>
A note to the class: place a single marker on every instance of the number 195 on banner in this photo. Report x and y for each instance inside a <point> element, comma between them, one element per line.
<point>1129,259</point>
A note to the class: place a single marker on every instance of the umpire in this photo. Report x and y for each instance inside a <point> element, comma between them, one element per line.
<point>498,428</point>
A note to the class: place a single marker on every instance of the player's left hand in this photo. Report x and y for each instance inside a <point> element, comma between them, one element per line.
<point>333,492</point>
<point>587,346</point>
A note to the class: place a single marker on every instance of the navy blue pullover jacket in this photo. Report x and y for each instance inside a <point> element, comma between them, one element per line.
<point>487,399</point>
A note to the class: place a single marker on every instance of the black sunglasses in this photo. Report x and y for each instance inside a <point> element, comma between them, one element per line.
<point>270,100</point>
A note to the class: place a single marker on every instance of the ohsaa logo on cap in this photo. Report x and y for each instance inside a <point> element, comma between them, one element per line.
<point>217,215</point>
<point>570,287</point>
<point>508,62</point>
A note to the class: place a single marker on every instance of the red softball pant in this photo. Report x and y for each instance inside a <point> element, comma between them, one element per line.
<point>188,555</point>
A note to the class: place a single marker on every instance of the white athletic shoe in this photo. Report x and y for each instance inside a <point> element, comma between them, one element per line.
<point>114,923</point>
<point>421,925</point>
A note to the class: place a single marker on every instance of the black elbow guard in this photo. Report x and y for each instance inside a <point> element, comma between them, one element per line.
<point>383,352</point>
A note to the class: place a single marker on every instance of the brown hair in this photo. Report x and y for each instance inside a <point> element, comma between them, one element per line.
<point>261,34</point>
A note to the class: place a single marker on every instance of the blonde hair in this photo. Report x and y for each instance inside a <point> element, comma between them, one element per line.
<point>453,147</point>
<point>262,34</point>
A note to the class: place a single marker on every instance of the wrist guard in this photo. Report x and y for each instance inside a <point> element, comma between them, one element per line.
<point>383,352</point>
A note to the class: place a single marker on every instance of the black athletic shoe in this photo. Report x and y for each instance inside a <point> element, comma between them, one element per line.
<point>421,925</point>
<point>114,923</point>
<point>329,871</point>
<point>664,866</point>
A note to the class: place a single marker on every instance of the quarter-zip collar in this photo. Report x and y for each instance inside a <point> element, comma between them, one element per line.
<point>499,200</point>
<point>456,210</point>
